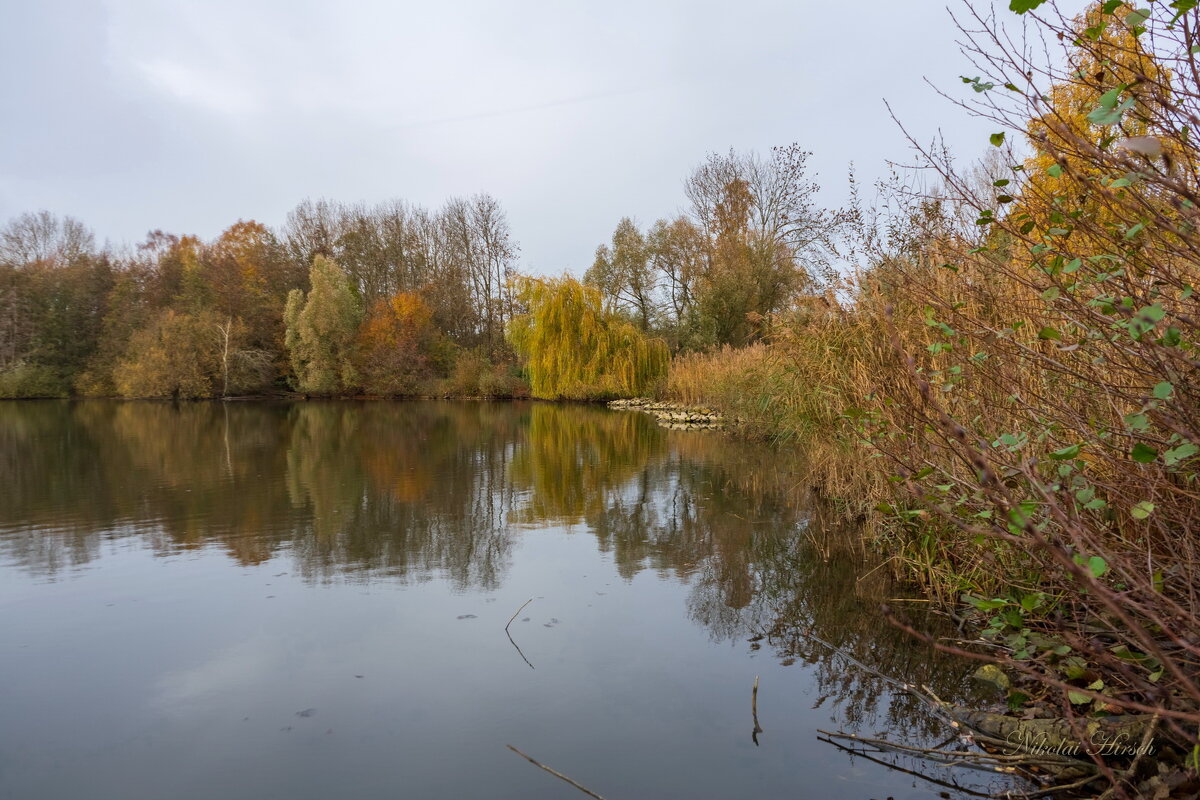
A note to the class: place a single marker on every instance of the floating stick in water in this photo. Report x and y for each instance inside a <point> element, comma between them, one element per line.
<point>509,635</point>
<point>555,773</point>
<point>754,710</point>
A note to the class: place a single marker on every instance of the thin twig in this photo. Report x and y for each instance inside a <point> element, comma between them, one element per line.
<point>877,566</point>
<point>975,760</point>
<point>555,773</point>
<point>518,611</point>
<point>898,768</point>
<point>754,711</point>
<point>1044,792</point>
<point>509,635</point>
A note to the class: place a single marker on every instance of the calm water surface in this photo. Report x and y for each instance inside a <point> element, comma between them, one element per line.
<point>274,600</point>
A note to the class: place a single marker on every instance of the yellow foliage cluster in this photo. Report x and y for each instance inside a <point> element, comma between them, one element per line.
<point>175,356</point>
<point>576,349</point>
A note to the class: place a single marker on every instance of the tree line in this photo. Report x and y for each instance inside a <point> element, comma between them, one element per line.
<point>178,316</point>
<point>395,299</point>
<point>752,241</point>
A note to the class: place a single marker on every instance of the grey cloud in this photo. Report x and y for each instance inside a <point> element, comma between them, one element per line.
<point>139,114</point>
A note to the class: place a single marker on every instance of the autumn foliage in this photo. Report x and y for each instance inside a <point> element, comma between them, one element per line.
<point>398,347</point>
<point>576,349</point>
<point>177,316</point>
<point>1009,378</point>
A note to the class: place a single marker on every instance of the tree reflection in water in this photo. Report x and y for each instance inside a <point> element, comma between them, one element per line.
<point>408,490</point>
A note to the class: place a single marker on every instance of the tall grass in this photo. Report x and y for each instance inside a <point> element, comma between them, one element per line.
<point>1010,382</point>
<point>795,395</point>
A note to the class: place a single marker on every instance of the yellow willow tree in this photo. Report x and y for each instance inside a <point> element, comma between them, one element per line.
<point>575,348</point>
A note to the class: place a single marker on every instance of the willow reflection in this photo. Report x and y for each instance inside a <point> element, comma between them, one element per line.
<point>573,459</point>
<point>411,490</point>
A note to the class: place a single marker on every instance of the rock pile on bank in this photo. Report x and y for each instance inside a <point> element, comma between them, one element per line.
<point>674,415</point>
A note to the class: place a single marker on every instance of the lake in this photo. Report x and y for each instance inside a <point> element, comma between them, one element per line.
<point>310,600</point>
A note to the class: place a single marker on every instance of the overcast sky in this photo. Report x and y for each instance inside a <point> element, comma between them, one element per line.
<point>186,116</point>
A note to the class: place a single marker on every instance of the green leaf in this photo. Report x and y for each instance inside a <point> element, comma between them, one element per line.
<point>1021,6</point>
<point>1075,667</point>
<point>1051,294</point>
<point>1182,7</point>
<point>1137,17</point>
<point>1104,116</point>
<point>1152,313</point>
<point>1001,183</point>
<point>1177,454</point>
<point>996,139</point>
<point>1134,230</point>
<point>987,605</point>
<point>1098,566</point>
<point>1142,510</point>
<point>1077,698</point>
<point>1049,333</point>
<point>1111,6</point>
<point>1137,422</point>
<point>1110,98</point>
<point>1125,654</point>
<point>1066,453</point>
<point>1109,112</point>
<point>1163,390</point>
<point>1143,453</point>
<point>1054,170</point>
<point>977,83</point>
